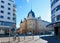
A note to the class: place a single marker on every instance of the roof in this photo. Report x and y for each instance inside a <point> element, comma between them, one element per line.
<point>31,12</point>
<point>21,21</point>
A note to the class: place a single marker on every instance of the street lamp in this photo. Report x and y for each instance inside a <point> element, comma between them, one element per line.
<point>32,34</point>
<point>24,34</point>
<point>13,30</point>
<point>9,31</point>
<point>9,35</point>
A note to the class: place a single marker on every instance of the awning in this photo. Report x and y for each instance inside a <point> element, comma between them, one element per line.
<point>54,24</point>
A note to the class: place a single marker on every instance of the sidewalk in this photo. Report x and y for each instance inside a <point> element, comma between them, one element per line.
<point>52,39</point>
<point>31,39</point>
<point>28,39</point>
<point>34,41</point>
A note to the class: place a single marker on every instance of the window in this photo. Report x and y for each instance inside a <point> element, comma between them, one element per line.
<point>2,1</point>
<point>9,4</point>
<point>8,13</point>
<point>14,14</point>
<point>53,19</point>
<point>58,8</point>
<point>9,8</point>
<point>8,18</point>
<point>1,17</point>
<point>2,6</point>
<point>14,5</point>
<point>54,2</point>
<point>58,17</point>
<point>8,23</point>
<point>55,9</point>
<point>1,23</point>
<point>14,10</point>
<point>14,18</point>
<point>2,11</point>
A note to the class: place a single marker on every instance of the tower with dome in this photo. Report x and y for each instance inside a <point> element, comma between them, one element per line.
<point>32,25</point>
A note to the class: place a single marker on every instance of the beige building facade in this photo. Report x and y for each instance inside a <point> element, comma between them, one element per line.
<point>33,24</point>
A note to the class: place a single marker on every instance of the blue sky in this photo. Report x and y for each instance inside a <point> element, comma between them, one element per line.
<point>40,8</point>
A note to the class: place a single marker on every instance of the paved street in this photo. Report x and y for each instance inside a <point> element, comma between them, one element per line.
<point>31,39</point>
<point>52,39</point>
<point>28,39</point>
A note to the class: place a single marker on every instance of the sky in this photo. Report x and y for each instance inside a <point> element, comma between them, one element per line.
<point>39,7</point>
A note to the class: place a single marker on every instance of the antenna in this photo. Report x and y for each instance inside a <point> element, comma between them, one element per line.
<point>31,4</point>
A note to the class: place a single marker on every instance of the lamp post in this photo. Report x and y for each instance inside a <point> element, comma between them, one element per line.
<point>13,30</point>
<point>32,34</point>
<point>12,33</point>
<point>24,34</point>
<point>9,33</point>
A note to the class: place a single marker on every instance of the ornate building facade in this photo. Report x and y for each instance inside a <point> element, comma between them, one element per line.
<point>32,24</point>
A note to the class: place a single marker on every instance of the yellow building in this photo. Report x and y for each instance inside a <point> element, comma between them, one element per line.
<point>32,24</point>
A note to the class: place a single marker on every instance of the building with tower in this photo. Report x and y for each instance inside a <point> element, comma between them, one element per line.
<point>7,15</point>
<point>33,25</point>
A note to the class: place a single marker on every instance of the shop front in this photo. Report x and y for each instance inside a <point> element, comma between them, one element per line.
<point>56,28</point>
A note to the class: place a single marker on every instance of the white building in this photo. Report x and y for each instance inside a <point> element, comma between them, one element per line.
<point>55,16</point>
<point>7,15</point>
<point>55,10</point>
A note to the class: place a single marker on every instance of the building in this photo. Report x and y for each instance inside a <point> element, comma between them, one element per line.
<point>7,15</point>
<point>33,25</point>
<point>55,16</point>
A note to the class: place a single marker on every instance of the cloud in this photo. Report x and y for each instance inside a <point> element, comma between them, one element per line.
<point>27,1</point>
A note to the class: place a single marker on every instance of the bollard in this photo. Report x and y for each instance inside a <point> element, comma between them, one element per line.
<point>18,39</point>
<point>14,38</point>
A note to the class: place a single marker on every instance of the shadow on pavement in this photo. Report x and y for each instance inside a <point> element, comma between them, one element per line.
<point>51,39</point>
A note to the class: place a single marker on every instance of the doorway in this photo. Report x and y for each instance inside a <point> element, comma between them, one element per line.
<point>56,30</point>
<point>7,31</point>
